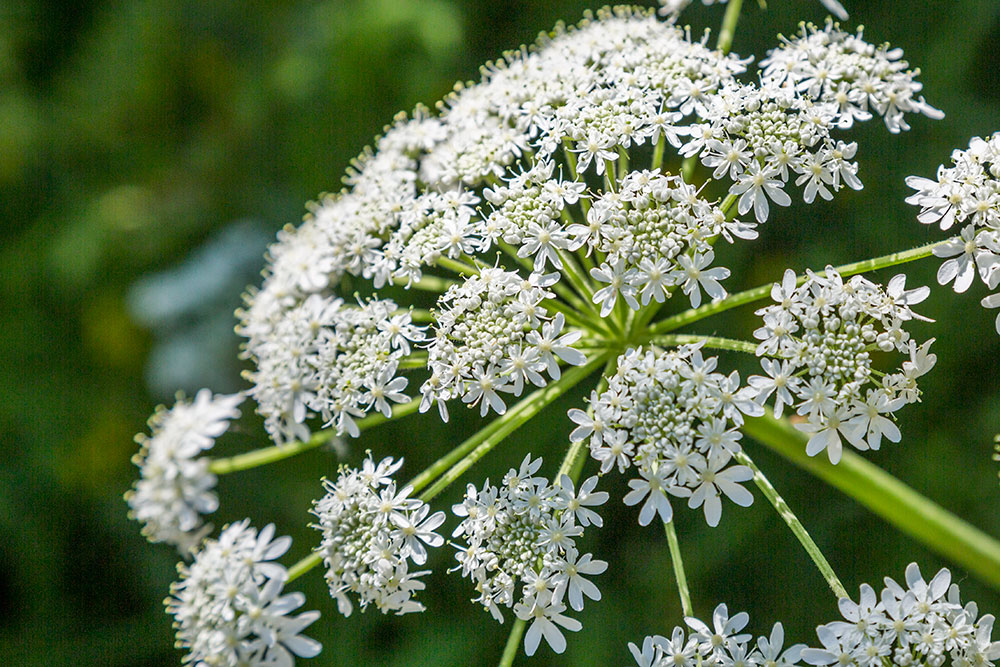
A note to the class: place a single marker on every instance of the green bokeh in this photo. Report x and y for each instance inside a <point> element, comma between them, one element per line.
<point>153,147</point>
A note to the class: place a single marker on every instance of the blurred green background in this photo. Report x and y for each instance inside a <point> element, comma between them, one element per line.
<point>150,149</point>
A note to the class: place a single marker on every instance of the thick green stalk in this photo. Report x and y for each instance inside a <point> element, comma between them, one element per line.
<point>458,267</point>
<point>678,565</point>
<point>728,30</point>
<point>265,455</point>
<point>486,439</point>
<point>800,532</point>
<point>900,505</point>
<point>757,293</point>
<point>426,283</point>
<point>304,565</point>
<point>513,642</point>
<point>708,341</point>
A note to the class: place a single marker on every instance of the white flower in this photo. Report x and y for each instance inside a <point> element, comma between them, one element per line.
<point>175,487</point>
<point>755,187</point>
<point>714,479</point>
<point>228,607</point>
<point>652,486</point>
<point>694,275</point>
<point>545,614</point>
<point>370,532</point>
<point>619,281</point>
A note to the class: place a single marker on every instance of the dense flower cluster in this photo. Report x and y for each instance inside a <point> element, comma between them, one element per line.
<point>228,606</point>
<point>655,234</point>
<point>371,530</point>
<point>493,335</point>
<point>333,359</point>
<point>966,194</point>
<point>674,7</point>
<point>175,485</point>
<point>520,549</point>
<point>672,417</point>
<point>921,624</point>
<point>541,210</point>
<point>835,68</point>
<point>817,341</point>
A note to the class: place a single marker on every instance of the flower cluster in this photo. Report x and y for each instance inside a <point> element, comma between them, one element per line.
<point>325,357</point>
<point>520,549</point>
<point>921,624</point>
<point>817,342</point>
<point>371,530</point>
<point>672,8</point>
<point>656,234</point>
<point>966,194</point>
<point>228,606</point>
<point>175,485</point>
<point>835,68</point>
<point>493,335</point>
<point>669,414</point>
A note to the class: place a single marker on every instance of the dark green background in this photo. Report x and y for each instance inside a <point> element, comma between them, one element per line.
<point>150,149</point>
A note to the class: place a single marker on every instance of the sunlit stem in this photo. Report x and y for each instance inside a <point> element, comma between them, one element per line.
<point>417,314</point>
<point>658,149</point>
<point>274,453</point>
<point>576,277</point>
<point>728,30</point>
<point>713,342</point>
<point>592,324</point>
<point>678,564</point>
<point>415,360</point>
<point>487,438</point>
<point>304,565</point>
<point>513,642</point>
<point>763,291</point>
<point>458,267</point>
<point>786,514</point>
<point>897,503</point>
<point>426,283</point>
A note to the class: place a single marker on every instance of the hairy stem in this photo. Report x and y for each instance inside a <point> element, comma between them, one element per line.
<point>785,512</point>
<point>912,513</point>
<point>763,291</point>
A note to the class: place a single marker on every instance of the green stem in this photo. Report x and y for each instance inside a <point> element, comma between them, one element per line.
<point>458,267</point>
<point>900,505</point>
<point>757,293</point>
<point>415,360</point>
<point>304,565</point>
<point>487,438</point>
<point>785,512</point>
<point>658,150</point>
<point>513,642</point>
<point>728,30</point>
<point>265,455</point>
<point>709,341</point>
<point>426,283</point>
<point>678,565</point>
